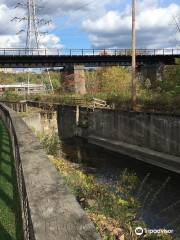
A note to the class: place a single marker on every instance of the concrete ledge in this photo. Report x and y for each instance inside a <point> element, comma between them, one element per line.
<point>50,211</point>
<point>144,154</point>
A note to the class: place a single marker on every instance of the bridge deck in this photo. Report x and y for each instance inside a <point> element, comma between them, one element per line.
<point>20,58</point>
<point>10,220</point>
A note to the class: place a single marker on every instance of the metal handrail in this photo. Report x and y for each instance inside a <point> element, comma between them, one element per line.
<point>26,217</point>
<point>86,52</point>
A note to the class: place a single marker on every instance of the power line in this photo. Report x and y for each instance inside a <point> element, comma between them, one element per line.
<point>85,5</point>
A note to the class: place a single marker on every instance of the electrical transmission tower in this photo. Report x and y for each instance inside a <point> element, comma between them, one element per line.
<point>32,31</point>
<point>32,25</point>
<point>177,23</point>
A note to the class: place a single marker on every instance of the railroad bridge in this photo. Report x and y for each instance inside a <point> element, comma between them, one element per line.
<point>38,58</point>
<point>150,62</point>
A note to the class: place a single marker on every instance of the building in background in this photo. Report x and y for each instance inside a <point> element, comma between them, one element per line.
<point>6,70</point>
<point>22,88</point>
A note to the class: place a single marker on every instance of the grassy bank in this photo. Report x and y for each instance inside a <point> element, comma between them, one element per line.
<point>147,100</point>
<point>114,208</point>
<point>113,84</point>
<point>113,216</point>
<point>10,217</point>
<point>152,101</point>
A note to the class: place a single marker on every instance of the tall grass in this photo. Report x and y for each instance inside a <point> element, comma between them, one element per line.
<point>114,209</point>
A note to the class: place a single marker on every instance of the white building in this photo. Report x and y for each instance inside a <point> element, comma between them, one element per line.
<point>6,70</point>
<point>22,88</point>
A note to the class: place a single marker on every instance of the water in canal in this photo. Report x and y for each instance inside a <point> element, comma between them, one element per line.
<point>159,191</point>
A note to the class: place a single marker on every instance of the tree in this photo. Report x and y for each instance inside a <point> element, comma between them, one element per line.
<point>109,80</point>
<point>171,81</point>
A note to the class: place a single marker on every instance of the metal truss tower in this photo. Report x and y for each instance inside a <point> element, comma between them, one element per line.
<point>32,35</point>
<point>32,38</point>
<point>33,23</point>
<point>32,31</point>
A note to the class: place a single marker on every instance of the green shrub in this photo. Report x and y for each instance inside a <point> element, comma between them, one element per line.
<point>12,96</point>
<point>50,143</point>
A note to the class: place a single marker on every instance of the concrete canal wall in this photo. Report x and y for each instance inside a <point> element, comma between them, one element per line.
<point>49,210</point>
<point>150,137</point>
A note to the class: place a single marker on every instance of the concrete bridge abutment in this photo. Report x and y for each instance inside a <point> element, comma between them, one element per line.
<point>74,79</point>
<point>154,73</point>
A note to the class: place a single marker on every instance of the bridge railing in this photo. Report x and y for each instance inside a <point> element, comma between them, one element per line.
<point>85,52</point>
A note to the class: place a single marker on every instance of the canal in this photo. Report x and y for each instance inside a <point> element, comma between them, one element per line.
<point>157,190</point>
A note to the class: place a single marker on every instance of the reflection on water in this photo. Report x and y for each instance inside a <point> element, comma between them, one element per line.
<point>158,189</point>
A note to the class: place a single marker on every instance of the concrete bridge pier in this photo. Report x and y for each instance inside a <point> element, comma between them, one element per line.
<point>74,79</point>
<point>153,72</point>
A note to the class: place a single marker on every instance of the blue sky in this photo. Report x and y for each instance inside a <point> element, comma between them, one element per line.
<point>74,36</point>
<point>95,24</point>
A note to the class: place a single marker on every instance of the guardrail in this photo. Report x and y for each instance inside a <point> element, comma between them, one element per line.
<point>85,52</point>
<point>72,101</point>
<point>27,223</point>
<point>17,106</point>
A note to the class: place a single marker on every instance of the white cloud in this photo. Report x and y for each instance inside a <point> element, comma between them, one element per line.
<point>104,24</point>
<point>74,10</point>
<point>9,41</point>
<point>50,41</point>
<point>9,37</point>
<point>154,27</point>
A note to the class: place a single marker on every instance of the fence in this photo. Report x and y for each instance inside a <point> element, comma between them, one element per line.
<point>85,52</point>
<point>20,106</point>
<point>27,223</point>
<point>49,210</point>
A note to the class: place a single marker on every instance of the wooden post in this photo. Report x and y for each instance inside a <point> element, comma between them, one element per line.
<point>134,98</point>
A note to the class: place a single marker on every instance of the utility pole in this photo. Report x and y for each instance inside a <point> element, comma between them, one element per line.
<point>52,88</point>
<point>134,97</point>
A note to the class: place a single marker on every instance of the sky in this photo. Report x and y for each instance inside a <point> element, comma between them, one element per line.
<point>93,24</point>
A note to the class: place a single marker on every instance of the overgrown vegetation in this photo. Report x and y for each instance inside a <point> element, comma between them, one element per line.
<point>109,80</point>
<point>12,96</point>
<point>114,209</point>
<point>113,84</point>
<point>35,77</point>
<point>50,143</point>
